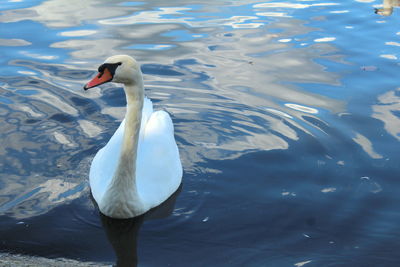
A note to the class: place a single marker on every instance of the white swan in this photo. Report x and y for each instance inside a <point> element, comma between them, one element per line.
<point>139,168</point>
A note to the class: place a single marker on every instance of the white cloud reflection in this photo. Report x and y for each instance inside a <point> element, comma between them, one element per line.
<point>89,128</point>
<point>392,43</point>
<point>302,263</point>
<point>324,39</point>
<point>61,13</point>
<point>63,139</point>
<point>153,16</point>
<point>14,42</point>
<point>38,56</point>
<point>328,190</point>
<point>291,5</point>
<point>168,15</point>
<point>386,111</point>
<point>272,14</point>
<point>302,108</point>
<point>389,56</point>
<point>78,33</point>
<point>366,146</point>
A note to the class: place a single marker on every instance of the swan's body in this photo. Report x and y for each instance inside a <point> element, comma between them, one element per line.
<point>139,168</point>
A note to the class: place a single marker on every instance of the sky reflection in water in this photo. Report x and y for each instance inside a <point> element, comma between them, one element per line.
<point>286,115</point>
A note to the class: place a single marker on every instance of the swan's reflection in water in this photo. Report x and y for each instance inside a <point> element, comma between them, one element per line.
<point>387,8</point>
<point>123,233</point>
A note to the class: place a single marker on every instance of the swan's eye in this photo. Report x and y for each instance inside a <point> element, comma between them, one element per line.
<point>110,66</point>
<point>101,68</point>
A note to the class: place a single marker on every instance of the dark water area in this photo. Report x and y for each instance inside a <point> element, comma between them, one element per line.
<point>286,115</point>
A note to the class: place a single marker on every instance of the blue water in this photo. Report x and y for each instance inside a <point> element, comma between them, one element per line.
<point>286,115</point>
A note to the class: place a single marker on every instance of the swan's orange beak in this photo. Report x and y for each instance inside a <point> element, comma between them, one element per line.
<point>100,78</point>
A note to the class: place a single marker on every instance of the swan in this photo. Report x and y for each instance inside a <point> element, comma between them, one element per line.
<point>139,168</point>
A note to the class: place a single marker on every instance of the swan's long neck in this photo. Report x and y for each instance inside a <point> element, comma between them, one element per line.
<point>126,169</point>
<point>122,199</point>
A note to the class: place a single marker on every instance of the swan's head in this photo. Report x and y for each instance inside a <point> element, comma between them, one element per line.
<point>120,69</point>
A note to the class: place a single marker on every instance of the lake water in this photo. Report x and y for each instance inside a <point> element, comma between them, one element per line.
<point>286,114</point>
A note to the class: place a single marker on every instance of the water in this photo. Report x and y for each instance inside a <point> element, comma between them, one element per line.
<point>286,116</point>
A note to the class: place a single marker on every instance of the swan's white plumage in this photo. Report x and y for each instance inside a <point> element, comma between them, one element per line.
<point>158,167</point>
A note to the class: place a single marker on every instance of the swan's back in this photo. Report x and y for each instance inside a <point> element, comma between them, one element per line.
<point>159,168</point>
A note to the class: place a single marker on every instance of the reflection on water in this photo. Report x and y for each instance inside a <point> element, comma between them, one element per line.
<point>387,110</point>
<point>40,199</point>
<point>123,233</point>
<point>288,128</point>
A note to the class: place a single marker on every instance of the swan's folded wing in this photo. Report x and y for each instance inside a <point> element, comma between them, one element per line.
<point>159,169</point>
<point>104,164</point>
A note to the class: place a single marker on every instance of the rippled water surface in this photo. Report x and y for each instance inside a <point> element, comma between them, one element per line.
<point>286,115</point>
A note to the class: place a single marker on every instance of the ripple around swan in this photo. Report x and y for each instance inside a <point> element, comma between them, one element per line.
<point>287,127</point>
